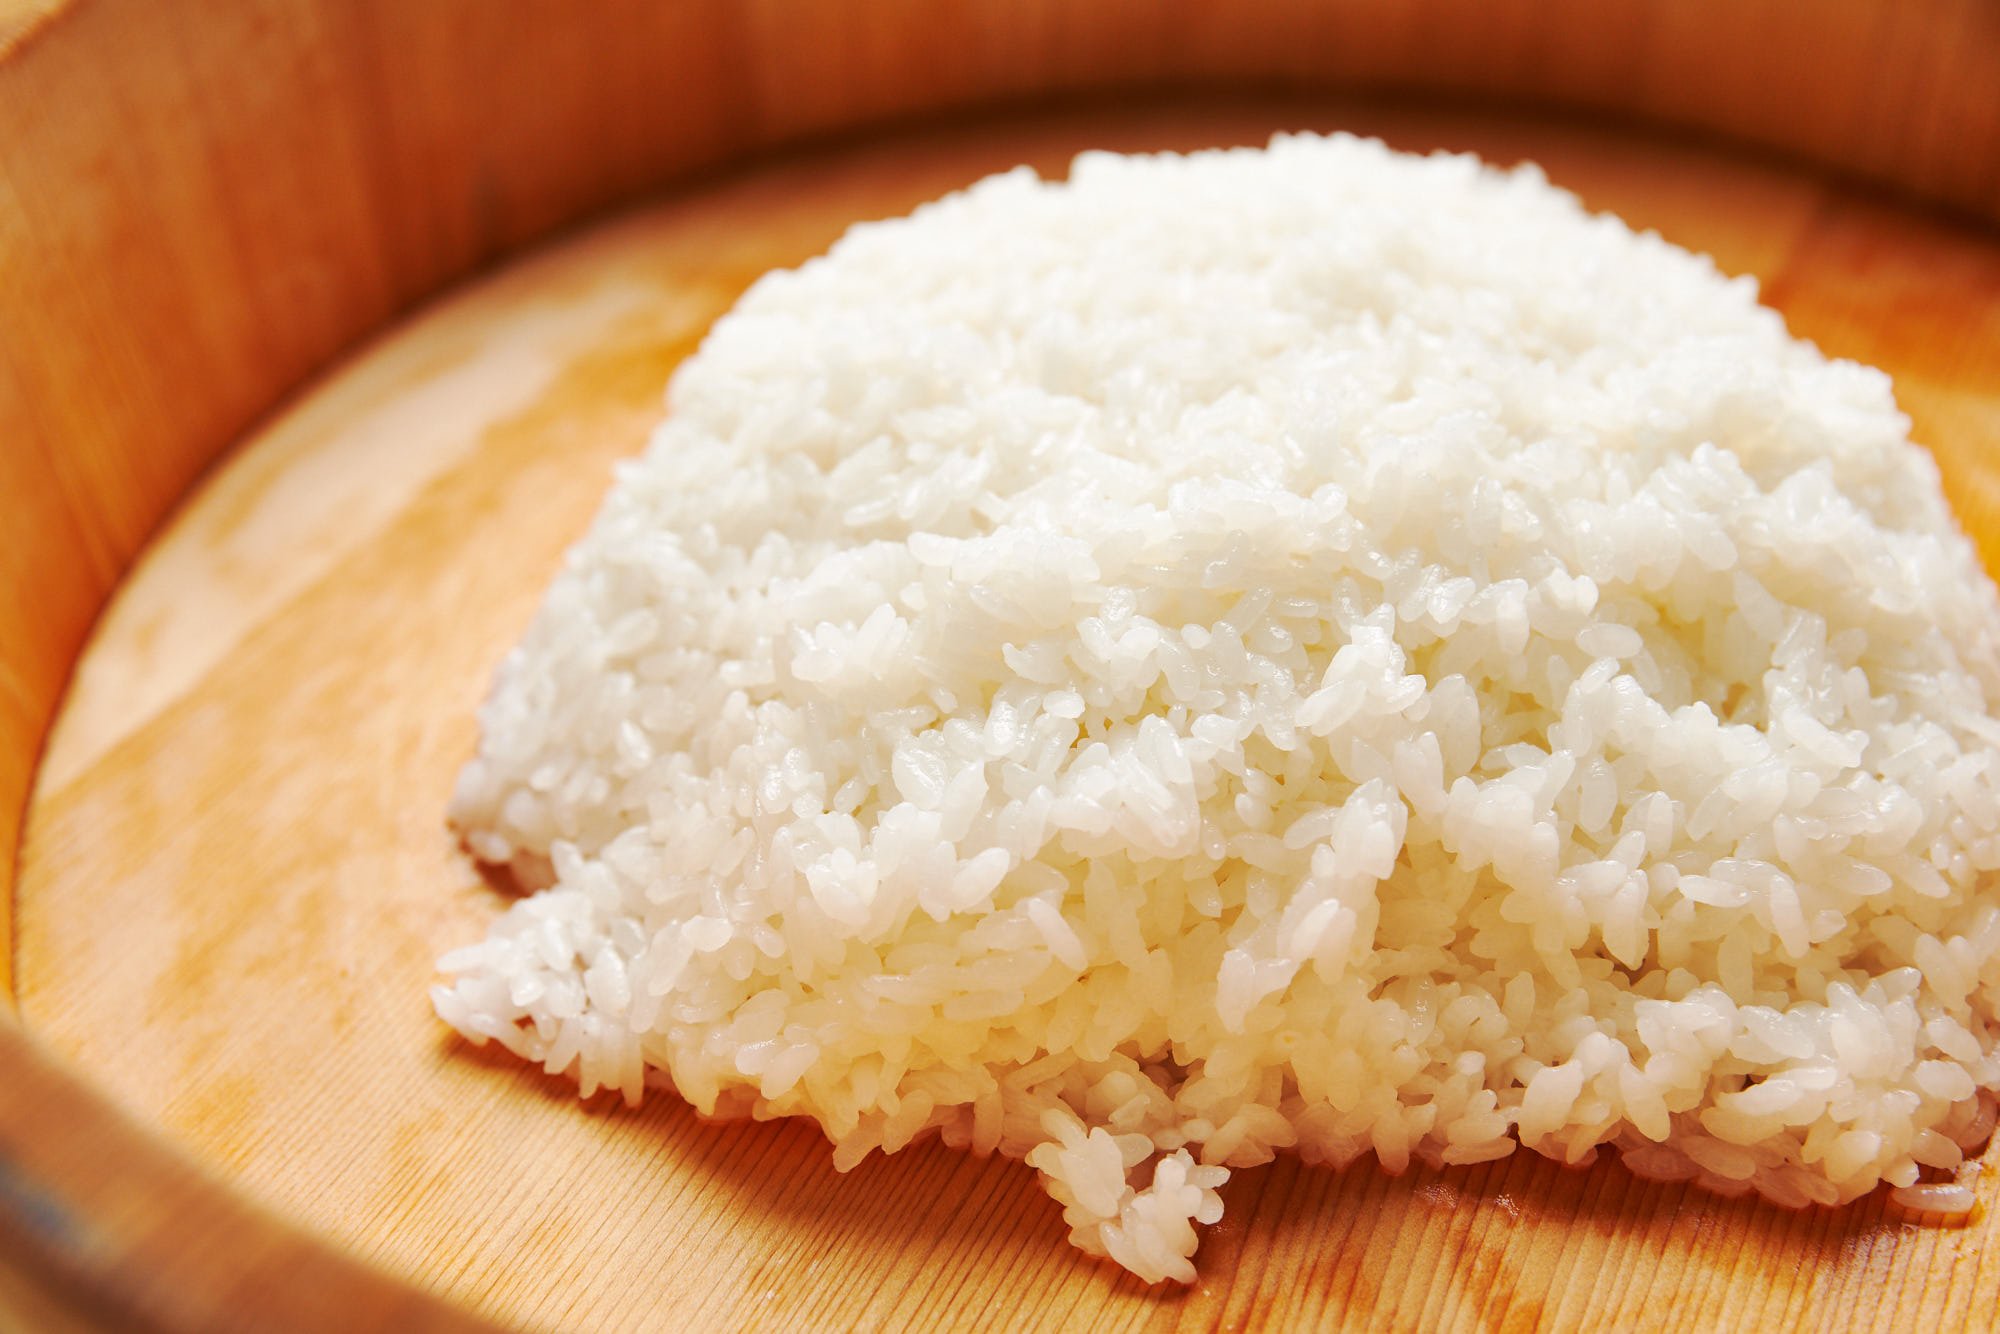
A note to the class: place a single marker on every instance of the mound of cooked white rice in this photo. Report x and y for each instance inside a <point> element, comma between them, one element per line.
<point>1307,649</point>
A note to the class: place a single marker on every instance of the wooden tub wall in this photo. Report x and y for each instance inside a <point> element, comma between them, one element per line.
<point>201,204</point>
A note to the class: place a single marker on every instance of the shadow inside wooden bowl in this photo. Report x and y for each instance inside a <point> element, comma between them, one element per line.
<point>1496,1245</point>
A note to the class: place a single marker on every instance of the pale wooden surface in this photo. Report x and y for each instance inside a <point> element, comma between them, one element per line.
<point>203,201</point>
<point>102,1230</point>
<point>236,874</point>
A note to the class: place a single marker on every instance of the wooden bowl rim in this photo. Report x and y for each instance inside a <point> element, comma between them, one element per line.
<point>116,1226</point>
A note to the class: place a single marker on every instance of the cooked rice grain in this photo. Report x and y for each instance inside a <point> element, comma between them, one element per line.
<point>1309,649</point>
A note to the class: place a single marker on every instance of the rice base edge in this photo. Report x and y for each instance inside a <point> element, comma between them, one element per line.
<point>1305,649</point>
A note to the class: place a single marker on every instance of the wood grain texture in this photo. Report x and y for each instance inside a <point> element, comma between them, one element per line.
<point>137,1240</point>
<point>236,875</point>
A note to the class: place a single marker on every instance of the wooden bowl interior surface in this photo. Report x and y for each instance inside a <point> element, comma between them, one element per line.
<point>236,876</point>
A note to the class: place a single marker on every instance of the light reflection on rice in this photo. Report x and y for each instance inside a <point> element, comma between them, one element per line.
<point>1304,650</point>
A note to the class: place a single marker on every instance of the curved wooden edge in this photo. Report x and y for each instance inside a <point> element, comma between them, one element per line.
<point>16,771</point>
<point>181,243</point>
<point>103,1226</point>
<point>20,19</point>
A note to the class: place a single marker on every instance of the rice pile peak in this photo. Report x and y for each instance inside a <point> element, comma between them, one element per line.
<point>1307,649</point>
